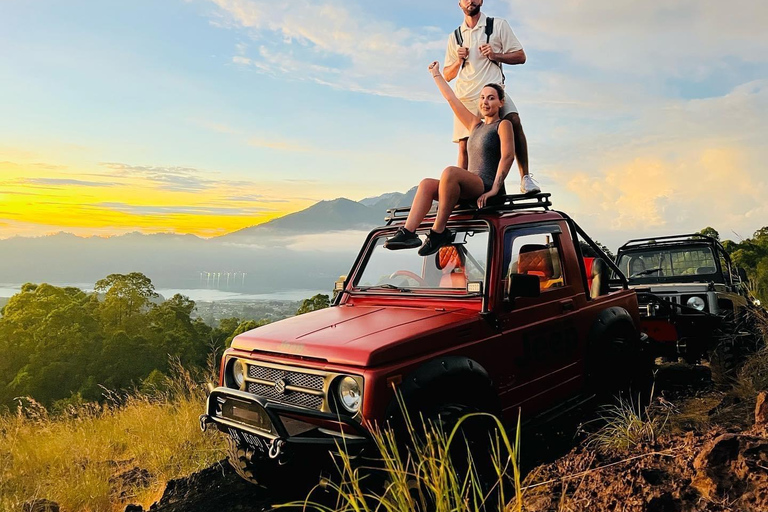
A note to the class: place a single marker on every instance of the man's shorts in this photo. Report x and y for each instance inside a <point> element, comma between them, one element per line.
<point>462,132</point>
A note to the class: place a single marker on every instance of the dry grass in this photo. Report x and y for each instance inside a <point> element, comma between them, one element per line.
<point>75,458</point>
<point>625,425</point>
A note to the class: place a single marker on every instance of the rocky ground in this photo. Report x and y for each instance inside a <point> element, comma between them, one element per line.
<point>719,469</point>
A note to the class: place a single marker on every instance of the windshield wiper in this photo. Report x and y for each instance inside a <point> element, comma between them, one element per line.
<point>645,272</point>
<point>385,286</point>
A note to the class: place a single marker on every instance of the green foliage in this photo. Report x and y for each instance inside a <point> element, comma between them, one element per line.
<point>127,297</point>
<point>63,346</point>
<point>709,231</point>
<point>243,327</point>
<point>319,301</point>
<point>752,255</point>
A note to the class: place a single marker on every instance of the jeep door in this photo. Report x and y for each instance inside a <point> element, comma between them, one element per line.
<point>540,333</point>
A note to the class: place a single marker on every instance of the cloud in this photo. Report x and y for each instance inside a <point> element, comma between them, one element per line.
<point>64,182</point>
<point>18,193</point>
<point>336,44</point>
<point>184,179</point>
<point>686,38</point>
<point>703,165</point>
<point>347,242</point>
<point>207,210</point>
<point>255,198</point>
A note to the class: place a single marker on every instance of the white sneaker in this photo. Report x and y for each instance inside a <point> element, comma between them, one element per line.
<point>528,185</point>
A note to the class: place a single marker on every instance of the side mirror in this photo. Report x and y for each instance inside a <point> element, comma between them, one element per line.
<point>523,285</point>
<point>338,286</point>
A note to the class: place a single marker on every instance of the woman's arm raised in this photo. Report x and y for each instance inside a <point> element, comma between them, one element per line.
<point>466,117</point>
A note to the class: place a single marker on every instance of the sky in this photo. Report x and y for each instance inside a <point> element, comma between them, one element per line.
<point>207,116</point>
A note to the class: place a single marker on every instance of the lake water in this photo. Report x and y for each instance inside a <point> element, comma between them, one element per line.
<point>198,295</point>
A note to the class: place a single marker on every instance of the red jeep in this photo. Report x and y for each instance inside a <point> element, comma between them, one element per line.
<point>504,320</point>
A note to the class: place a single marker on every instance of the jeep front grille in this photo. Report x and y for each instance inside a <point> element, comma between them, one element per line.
<point>305,380</point>
<point>289,397</point>
<point>286,386</point>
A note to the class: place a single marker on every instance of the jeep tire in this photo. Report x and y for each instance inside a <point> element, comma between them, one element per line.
<point>616,363</point>
<point>281,480</point>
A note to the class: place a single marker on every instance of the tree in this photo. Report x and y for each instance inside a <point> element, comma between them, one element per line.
<point>126,296</point>
<point>709,231</point>
<point>752,255</point>
<point>319,301</point>
<point>244,327</point>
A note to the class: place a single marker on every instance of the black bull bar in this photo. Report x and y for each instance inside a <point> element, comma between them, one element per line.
<point>262,423</point>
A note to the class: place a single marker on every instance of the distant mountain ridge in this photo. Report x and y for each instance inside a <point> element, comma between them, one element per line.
<point>335,215</point>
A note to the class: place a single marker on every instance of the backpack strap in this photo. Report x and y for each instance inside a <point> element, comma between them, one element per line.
<point>458,36</point>
<point>488,32</point>
<point>488,29</point>
<point>459,41</point>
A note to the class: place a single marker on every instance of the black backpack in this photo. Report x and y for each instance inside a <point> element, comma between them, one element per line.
<point>488,32</point>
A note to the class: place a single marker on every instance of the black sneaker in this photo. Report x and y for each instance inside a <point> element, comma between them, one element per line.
<point>403,239</point>
<point>435,241</point>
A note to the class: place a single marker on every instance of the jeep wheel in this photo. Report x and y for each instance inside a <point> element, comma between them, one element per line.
<point>472,442</point>
<point>736,341</point>
<point>617,364</point>
<point>280,480</point>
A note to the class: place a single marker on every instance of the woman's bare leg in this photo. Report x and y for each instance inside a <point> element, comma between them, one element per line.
<point>422,202</point>
<point>455,183</point>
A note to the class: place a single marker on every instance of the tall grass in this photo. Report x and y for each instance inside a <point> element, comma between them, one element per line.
<point>424,477</point>
<point>76,458</point>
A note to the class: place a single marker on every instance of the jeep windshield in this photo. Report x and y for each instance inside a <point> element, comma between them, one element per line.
<point>669,264</point>
<point>446,272</point>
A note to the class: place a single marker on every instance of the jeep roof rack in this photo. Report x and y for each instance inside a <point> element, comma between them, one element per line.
<point>671,240</point>
<point>495,204</point>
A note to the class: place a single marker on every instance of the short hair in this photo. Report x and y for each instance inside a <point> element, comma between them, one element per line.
<point>499,90</point>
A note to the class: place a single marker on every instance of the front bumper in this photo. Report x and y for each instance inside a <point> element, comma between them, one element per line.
<point>676,329</point>
<point>275,430</point>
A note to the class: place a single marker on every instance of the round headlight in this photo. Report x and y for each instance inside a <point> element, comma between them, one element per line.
<point>696,303</point>
<point>349,394</point>
<point>238,373</point>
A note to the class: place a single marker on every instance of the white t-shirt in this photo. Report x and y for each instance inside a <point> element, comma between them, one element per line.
<point>478,69</point>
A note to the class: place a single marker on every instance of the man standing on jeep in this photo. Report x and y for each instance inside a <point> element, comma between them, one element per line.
<point>476,50</point>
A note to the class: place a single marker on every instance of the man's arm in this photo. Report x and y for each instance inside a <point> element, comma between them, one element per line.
<point>452,71</point>
<point>515,57</point>
<point>511,50</point>
<point>454,58</point>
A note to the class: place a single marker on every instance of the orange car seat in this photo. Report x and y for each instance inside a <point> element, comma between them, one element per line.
<point>451,261</point>
<point>536,259</point>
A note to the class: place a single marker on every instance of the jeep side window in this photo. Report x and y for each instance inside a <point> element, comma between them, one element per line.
<point>725,268</point>
<point>534,254</point>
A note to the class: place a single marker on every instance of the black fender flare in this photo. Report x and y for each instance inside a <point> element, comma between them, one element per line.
<point>454,370</point>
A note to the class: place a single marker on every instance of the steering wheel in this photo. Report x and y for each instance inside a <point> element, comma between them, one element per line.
<point>409,275</point>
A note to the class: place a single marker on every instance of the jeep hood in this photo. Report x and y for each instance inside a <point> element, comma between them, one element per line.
<point>358,335</point>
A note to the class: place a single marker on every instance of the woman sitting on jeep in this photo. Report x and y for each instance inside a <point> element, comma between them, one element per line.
<point>491,152</point>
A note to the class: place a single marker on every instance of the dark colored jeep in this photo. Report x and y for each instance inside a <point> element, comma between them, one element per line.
<point>690,293</point>
<point>506,320</point>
